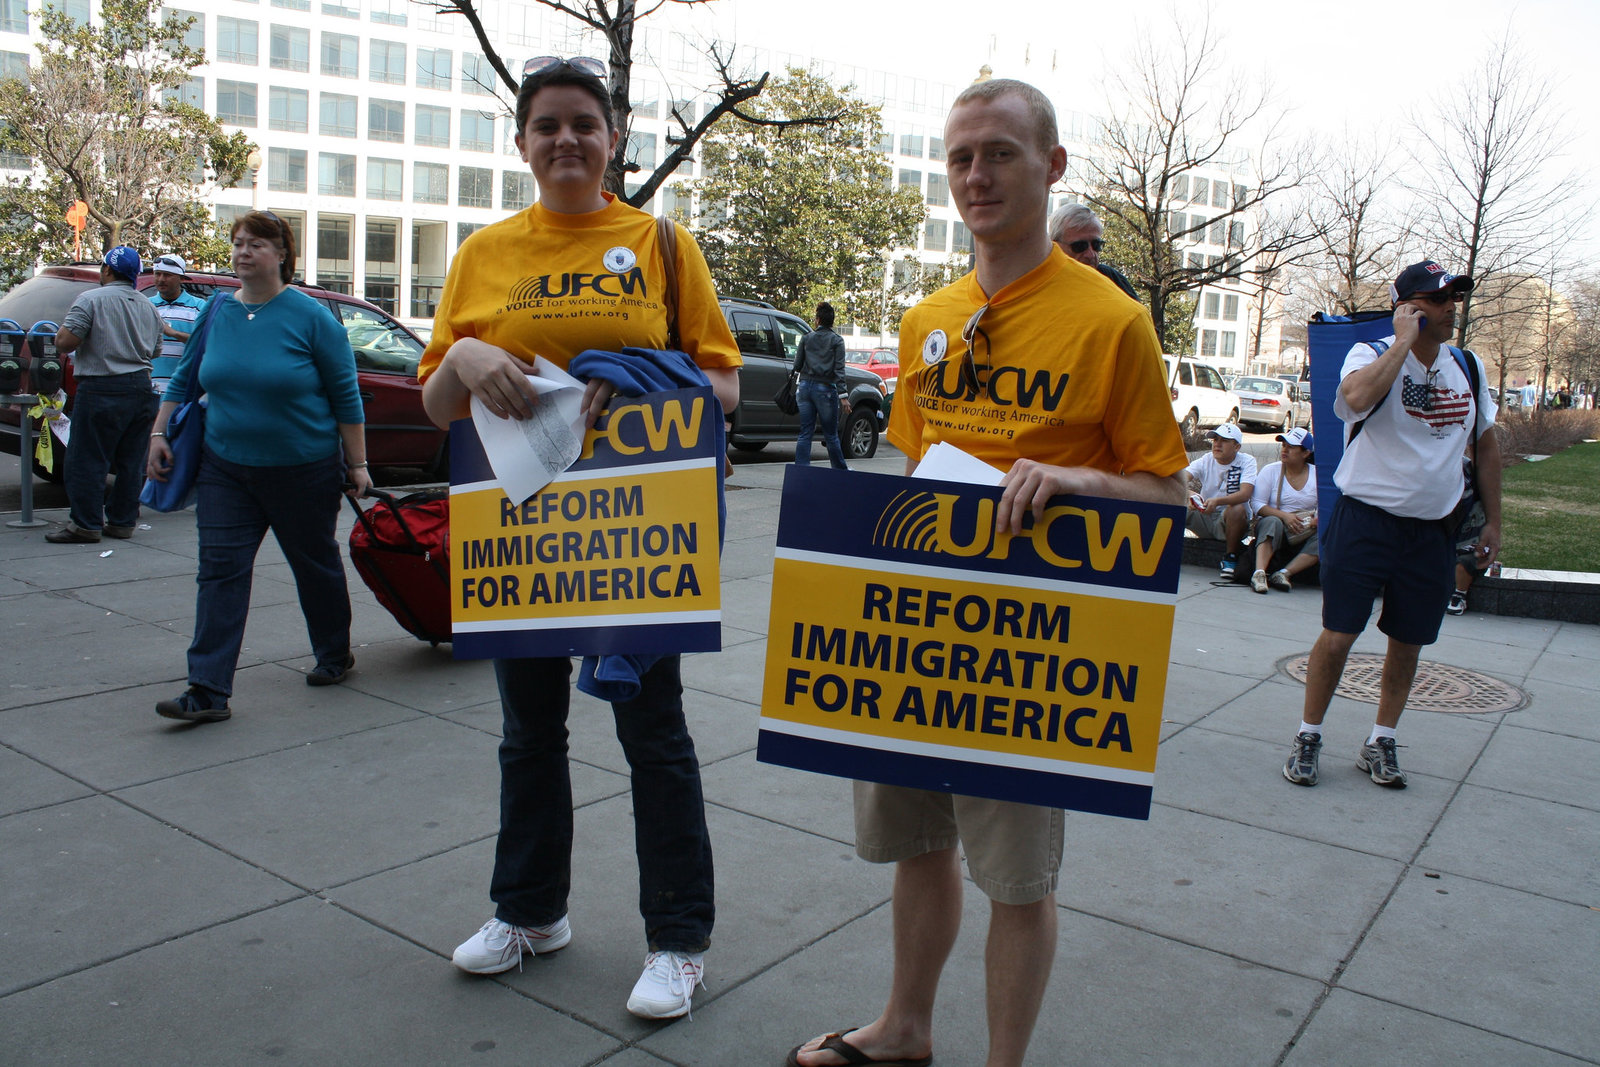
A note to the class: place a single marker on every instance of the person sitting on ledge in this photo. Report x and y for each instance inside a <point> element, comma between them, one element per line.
<point>1221,486</point>
<point>1286,512</point>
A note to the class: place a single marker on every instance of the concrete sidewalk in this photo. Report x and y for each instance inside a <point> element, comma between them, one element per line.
<point>288,886</point>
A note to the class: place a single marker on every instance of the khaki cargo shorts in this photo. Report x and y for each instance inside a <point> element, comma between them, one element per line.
<point>1013,850</point>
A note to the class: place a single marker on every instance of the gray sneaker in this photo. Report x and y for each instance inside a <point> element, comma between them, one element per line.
<point>1378,760</point>
<point>1301,767</point>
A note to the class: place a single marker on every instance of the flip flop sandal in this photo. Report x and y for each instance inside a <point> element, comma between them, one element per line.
<point>853,1057</point>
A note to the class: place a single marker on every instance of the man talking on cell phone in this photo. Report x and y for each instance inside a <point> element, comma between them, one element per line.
<point>1411,405</point>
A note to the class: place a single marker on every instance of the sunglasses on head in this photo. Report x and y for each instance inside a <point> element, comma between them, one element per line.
<point>1080,246</point>
<point>546,64</point>
<point>1438,299</point>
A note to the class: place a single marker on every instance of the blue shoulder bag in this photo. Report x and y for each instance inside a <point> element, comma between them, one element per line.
<point>186,432</point>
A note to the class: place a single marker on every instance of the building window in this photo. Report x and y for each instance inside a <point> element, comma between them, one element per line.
<point>388,12</point>
<point>430,183</point>
<point>386,62</point>
<point>516,189</point>
<point>1180,187</point>
<point>1195,261</point>
<point>911,144</point>
<point>477,76</point>
<point>339,55</point>
<point>938,190</point>
<point>236,103</point>
<point>935,235</point>
<point>386,120</point>
<point>191,92</point>
<point>384,178</point>
<point>1219,231</point>
<point>1230,308</point>
<point>477,187</point>
<point>1219,193</point>
<point>911,179</point>
<point>286,170</point>
<point>336,174</point>
<point>961,239</point>
<point>677,201</point>
<point>383,264</point>
<point>1201,192</point>
<point>433,126</point>
<point>1212,304</point>
<point>465,230</point>
<point>1177,221</point>
<point>293,5</point>
<point>335,265</point>
<point>236,41</point>
<point>14,16</point>
<point>288,109</point>
<point>648,104</point>
<point>291,48</point>
<point>1236,235</point>
<point>194,37</point>
<point>935,147</point>
<point>1208,344</point>
<point>477,131</point>
<point>338,115</point>
<point>341,11</point>
<point>685,110</point>
<point>1228,337</point>
<point>642,150</point>
<point>435,68</point>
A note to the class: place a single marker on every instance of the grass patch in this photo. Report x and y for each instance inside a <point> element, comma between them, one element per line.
<point>1551,512</point>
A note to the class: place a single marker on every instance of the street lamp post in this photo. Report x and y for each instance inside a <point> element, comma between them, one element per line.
<point>253,161</point>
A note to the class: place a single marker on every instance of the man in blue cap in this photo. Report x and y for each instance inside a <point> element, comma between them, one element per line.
<point>112,333</point>
<point>1411,410</point>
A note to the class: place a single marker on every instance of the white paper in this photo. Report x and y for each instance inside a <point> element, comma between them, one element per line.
<point>526,454</point>
<point>948,463</point>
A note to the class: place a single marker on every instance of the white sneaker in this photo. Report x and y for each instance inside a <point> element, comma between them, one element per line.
<point>1258,581</point>
<point>664,989</point>
<point>499,946</point>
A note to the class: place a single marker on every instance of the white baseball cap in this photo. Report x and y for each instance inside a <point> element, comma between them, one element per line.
<point>1228,431</point>
<point>171,264</point>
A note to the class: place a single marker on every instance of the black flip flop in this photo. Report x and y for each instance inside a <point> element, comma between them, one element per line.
<point>853,1057</point>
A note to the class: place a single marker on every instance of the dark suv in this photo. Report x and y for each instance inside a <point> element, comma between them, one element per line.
<point>399,433</point>
<point>769,340</point>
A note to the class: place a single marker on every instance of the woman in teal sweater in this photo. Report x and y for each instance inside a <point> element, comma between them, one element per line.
<point>284,431</point>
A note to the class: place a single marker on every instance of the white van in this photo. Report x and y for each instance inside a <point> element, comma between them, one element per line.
<point>1200,398</point>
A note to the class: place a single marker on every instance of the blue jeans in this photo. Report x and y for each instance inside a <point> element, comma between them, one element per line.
<point>818,402</point>
<point>235,507</point>
<point>533,858</point>
<point>111,419</point>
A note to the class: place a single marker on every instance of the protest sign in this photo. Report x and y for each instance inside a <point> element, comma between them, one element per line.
<point>617,555</point>
<point>912,643</point>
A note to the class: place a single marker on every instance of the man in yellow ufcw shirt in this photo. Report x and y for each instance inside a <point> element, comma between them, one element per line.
<point>1040,366</point>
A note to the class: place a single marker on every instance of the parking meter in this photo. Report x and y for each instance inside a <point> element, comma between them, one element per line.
<point>11,343</point>
<point>45,374</point>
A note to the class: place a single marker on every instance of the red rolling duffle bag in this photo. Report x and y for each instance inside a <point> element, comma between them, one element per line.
<point>401,549</point>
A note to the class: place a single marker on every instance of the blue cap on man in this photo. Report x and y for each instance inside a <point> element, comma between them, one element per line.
<point>124,261</point>
<point>1427,277</point>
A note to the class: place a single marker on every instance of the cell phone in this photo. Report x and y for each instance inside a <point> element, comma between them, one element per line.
<point>1422,322</point>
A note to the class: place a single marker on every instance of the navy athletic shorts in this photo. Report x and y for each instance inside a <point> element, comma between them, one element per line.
<point>1368,552</point>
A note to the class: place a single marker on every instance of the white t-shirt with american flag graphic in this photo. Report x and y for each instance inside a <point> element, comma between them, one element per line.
<point>1407,458</point>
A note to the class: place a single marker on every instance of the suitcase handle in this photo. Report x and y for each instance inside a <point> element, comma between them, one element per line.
<point>400,520</point>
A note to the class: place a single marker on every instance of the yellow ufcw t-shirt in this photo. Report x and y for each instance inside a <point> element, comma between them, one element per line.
<point>1069,373</point>
<point>543,283</point>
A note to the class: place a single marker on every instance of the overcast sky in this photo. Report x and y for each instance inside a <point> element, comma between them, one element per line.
<point>1361,65</point>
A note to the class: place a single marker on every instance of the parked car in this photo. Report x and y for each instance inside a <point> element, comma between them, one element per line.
<point>399,433</point>
<point>1200,398</point>
<point>884,362</point>
<point>769,340</point>
<point>1272,403</point>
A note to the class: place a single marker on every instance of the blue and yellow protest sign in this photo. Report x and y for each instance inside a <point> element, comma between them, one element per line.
<point>617,555</point>
<point>912,643</point>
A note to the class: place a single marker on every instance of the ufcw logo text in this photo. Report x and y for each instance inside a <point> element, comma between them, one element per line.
<point>555,286</point>
<point>1067,536</point>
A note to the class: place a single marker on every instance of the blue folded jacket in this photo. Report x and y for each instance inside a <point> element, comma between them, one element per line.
<point>635,372</point>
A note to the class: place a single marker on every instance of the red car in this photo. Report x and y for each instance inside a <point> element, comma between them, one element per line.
<point>399,433</point>
<point>884,362</point>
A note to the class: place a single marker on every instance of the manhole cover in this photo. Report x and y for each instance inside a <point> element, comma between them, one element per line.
<point>1438,687</point>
